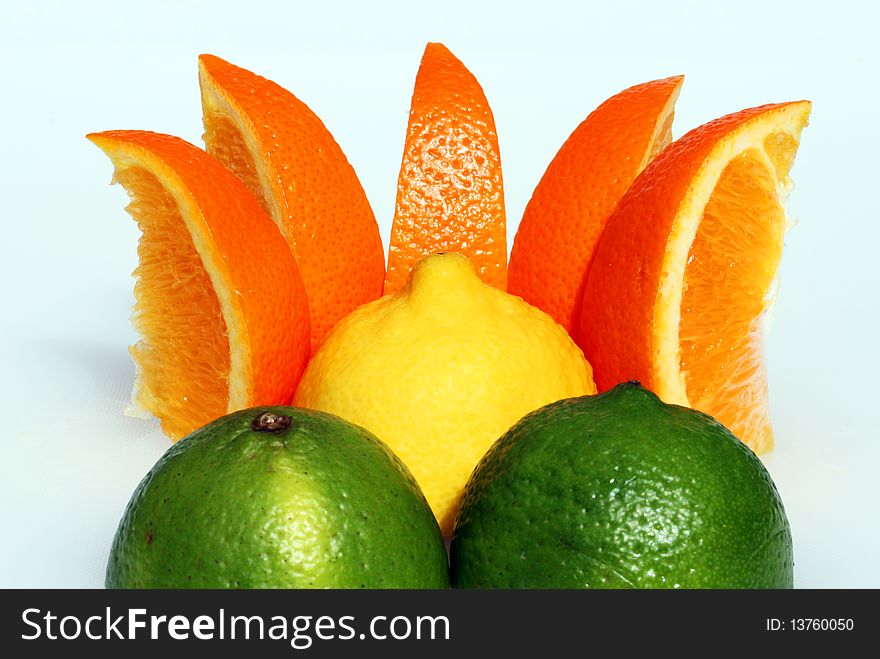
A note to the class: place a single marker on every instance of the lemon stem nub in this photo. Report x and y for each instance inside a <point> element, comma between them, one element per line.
<point>271,422</point>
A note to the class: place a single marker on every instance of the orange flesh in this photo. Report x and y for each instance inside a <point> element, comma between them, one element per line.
<point>728,280</point>
<point>183,346</point>
<point>227,145</point>
<point>663,139</point>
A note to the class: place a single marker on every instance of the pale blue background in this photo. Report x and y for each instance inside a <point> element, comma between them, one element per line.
<point>70,459</point>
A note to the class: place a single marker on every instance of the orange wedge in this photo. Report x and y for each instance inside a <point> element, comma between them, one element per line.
<point>450,196</point>
<point>219,303</point>
<point>564,219</point>
<point>283,153</point>
<point>684,270</point>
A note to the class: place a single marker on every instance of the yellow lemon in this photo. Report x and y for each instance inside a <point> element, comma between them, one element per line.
<point>441,369</point>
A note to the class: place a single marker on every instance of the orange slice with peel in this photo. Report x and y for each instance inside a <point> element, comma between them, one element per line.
<point>285,155</point>
<point>564,219</point>
<point>685,267</point>
<point>450,195</point>
<point>219,302</point>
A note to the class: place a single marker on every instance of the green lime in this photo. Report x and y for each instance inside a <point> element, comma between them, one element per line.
<point>278,497</point>
<point>620,490</point>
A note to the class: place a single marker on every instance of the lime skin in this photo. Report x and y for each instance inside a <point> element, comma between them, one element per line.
<point>278,497</point>
<point>620,490</point>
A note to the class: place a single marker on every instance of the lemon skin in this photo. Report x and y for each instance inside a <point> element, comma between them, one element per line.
<point>439,370</point>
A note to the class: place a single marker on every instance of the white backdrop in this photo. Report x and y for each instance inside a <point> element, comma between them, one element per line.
<point>69,459</point>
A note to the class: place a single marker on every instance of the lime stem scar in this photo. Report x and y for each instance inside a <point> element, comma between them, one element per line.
<point>271,422</point>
